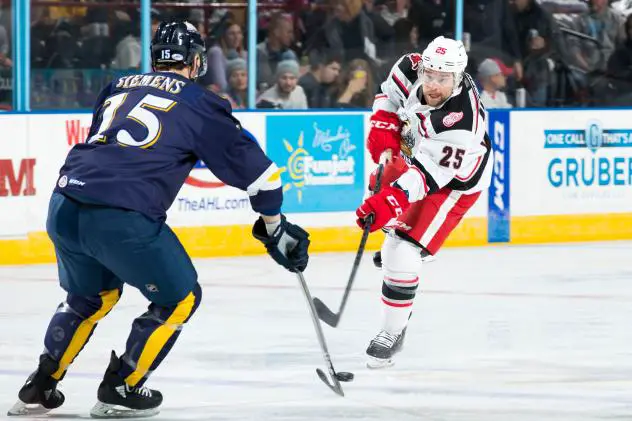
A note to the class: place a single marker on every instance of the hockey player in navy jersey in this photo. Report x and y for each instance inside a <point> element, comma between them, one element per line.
<point>107,216</point>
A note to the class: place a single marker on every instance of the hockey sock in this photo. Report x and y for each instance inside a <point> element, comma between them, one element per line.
<point>72,325</point>
<point>153,335</point>
<point>397,299</point>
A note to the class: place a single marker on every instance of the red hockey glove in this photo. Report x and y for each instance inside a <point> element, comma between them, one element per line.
<point>388,203</point>
<point>384,134</point>
<point>392,171</point>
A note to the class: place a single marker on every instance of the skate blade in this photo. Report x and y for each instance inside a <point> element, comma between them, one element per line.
<point>21,409</point>
<point>105,410</point>
<point>377,363</point>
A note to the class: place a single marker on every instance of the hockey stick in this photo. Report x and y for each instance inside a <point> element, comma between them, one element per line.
<point>335,377</point>
<point>325,314</point>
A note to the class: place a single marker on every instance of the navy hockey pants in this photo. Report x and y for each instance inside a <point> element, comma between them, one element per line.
<point>99,249</point>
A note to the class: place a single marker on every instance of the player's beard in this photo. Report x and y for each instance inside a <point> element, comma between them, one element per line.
<point>435,100</point>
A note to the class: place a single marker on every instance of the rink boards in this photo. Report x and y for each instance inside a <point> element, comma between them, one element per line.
<point>559,175</point>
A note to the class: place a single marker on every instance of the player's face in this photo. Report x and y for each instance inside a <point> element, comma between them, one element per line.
<point>330,73</point>
<point>437,86</point>
<point>287,83</point>
<point>238,80</point>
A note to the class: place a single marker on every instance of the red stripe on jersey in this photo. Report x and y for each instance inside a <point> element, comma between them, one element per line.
<point>388,303</point>
<point>400,281</point>
<point>400,85</point>
<point>476,166</point>
<point>477,105</point>
<point>381,96</point>
<point>423,124</point>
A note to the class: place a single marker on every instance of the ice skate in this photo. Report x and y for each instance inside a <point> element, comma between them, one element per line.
<point>116,399</point>
<point>39,394</point>
<point>383,347</point>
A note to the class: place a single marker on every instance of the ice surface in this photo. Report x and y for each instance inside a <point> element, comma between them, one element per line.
<point>498,333</point>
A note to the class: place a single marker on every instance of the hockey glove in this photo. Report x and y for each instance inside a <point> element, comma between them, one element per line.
<point>389,203</point>
<point>392,171</point>
<point>384,134</point>
<point>287,245</point>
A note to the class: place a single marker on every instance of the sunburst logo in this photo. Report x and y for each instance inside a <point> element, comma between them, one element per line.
<point>295,166</point>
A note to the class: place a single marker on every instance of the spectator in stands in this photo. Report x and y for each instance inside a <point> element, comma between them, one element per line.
<point>285,93</point>
<point>383,29</point>
<point>606,26</point>
<point>156,18</point>
<point>5,61</point>
<point>42,27</point>
<point>97,43</point>
<point>535,27</point>
<point>128,50</point>
<point>356,88</point>
<point>231,43</point>
<point>493,78</point>
<point>538,72</point>
<point>406,39</point>
<point>318,82</point>
<point>433,18</point>
<point>237,75</point>
<point>537,37</point>
<point>391,10</point>
<point>274,49</point>
<point>349,32</point>
<point>492,32</point>
<point>620,62</point>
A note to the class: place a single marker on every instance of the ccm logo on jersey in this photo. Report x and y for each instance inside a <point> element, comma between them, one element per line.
<point>452,118</point>
<point>384,125</point>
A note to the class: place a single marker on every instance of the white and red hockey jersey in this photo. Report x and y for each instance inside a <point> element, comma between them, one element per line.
<point>446,146</point>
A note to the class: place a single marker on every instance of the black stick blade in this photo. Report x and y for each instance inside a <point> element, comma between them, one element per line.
<point>325,314</point>
<point>335,387</point>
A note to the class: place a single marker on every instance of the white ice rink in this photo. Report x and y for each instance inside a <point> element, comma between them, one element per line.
<point>498,333</point>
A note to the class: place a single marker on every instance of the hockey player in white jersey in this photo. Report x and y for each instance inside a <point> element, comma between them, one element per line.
<point>429,126</point>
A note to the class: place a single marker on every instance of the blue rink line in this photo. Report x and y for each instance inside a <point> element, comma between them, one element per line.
<point>406,389</point>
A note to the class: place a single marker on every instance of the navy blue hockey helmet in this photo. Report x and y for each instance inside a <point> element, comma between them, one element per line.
<point>176,43</point>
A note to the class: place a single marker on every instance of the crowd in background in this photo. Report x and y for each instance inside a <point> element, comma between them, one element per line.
<point>334,53</point>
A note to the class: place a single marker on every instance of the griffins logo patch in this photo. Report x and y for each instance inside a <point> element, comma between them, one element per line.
<point>415,59</point>
<point>452,118</point>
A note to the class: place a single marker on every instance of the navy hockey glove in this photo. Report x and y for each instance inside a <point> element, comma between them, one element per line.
<point>287,245</point>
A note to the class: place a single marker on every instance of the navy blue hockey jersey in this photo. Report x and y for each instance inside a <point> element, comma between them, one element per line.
<point>148,131</point>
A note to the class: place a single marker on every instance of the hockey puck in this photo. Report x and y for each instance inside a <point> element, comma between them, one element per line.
<point>344,376</point>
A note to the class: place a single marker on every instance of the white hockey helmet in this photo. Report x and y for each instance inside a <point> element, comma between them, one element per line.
<point>446,55</point>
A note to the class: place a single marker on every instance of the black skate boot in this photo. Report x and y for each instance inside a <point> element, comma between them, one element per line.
<point>118,400</point>
<point>39,394</point>
<point>383,347</point>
